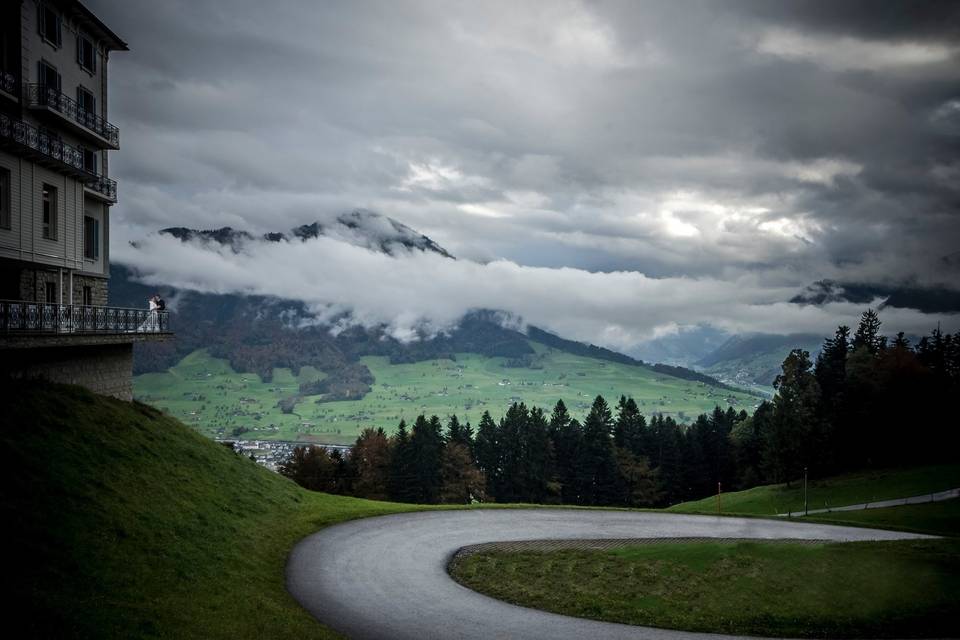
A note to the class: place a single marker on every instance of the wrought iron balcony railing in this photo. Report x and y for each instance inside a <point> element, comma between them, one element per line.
<point>8,82</point>
<point>104,186</point>
<point>62,154</point>
<point>41,95</point>
<point>19,317</point>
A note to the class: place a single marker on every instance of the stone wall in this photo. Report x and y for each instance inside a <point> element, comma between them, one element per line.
<point>98,287</point>
<point>25,283</point>
<point>106,369</point>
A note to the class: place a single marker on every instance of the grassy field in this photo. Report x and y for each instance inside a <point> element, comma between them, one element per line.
<point>207,394</point>
<point>836,491</point>
<point>937,518</point>
<point>123,523</point>
<point>853,590</point>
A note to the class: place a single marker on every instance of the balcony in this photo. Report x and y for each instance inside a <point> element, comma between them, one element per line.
<point>8,86</point>
<point>67,110</point>
<point>19,318</point>
<point>55,153</point>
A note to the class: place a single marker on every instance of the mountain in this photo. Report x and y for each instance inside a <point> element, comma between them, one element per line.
<point>258,333</point>
<point>359,227</point>
<point>928,299</point>
<point>683,348</point>
<point>237,335</point>
<point>751,360</point>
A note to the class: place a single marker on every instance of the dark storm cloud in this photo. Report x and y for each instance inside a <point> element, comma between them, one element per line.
<point>910,19</point>
<point>765,143</point>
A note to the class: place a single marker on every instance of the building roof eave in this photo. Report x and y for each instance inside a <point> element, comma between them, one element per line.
<point>90,22</point>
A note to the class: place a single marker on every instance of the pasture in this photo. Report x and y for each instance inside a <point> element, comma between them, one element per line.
<point>207,394</point>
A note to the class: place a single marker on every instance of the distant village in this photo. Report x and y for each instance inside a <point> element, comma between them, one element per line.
<point>272,453</point>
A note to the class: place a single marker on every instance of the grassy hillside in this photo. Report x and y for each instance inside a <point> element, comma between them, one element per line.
<point>937,518</point>
<point>854,488</point>
<point>207,394</point>
<point>125,523</point>
<point>753,361</point>
<point>902,589</point>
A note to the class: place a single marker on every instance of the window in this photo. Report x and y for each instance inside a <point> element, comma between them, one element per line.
<point>87,101</point>
<point>49,76</point>
<point>89,160</point>
<point>50,26</point>
<point>5,198</point>
<point>91,238</point>
<point>50,291</point>
<point>49,212</point>
<point>86,54</point>
<point>87,296</point>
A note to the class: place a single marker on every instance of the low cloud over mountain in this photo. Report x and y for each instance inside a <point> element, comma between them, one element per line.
<point>411,286</point>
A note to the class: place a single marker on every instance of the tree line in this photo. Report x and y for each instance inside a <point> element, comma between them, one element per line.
<point>865,402</point>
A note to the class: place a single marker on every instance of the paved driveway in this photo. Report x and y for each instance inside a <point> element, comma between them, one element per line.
<point>386,578</point>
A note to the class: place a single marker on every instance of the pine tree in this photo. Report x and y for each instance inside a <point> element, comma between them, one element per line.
<point>426,448</point>
<point>791,442</point>
<point>538,484</point>
<point>868,333</point>
<point>566,437</point>
<point>597,464</point>
<point>487,451</point>
<point>513,455</point>
<point>630,429</point>
<point>401,486</point>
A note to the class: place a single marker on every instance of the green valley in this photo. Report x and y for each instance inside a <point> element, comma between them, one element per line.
<point>206,393</point>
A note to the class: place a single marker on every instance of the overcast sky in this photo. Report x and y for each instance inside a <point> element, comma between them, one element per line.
<point>692,151</point>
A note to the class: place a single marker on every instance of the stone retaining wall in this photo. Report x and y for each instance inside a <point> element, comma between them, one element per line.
<point>106,369</point>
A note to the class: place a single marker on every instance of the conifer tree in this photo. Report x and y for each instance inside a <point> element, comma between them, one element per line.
<point>487,451</point>
<point>597,465</point>
<point>566,437</point>
<point>513,454</point>
<point>426,448</point>
<point>791,441</point>
<point>630,428</point>
<point>402,482</point>
<point>538,484</point>
<point>868,333</point>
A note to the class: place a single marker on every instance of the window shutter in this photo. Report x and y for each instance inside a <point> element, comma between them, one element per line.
<point>79,51</point>
<point>59,32</point>
<point>96,239</point>
<point>40,21</point>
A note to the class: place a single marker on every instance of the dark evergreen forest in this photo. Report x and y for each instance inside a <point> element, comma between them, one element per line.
<point>866,402</point>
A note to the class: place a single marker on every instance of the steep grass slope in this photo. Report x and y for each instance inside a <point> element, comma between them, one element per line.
<point>205,392</point>
<point>837,491</point>
<point>127,524</point>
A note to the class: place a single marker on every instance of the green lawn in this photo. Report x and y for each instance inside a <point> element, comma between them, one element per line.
<point>938,518</point>
<point>854,590</point>
<point>123,523</point>
<point>207,394</point>
<point>836,491</point>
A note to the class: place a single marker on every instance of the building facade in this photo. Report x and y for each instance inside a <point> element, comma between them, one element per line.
<point>55,137</point>
<point>55,199</point>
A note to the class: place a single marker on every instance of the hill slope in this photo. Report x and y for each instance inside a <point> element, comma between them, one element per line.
<point>208,394</point>
<point>126,524</point>
<point>852,488</point>
<point>754,359</point>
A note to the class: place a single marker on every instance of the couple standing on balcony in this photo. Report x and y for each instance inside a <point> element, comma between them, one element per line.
<point>154,319</point>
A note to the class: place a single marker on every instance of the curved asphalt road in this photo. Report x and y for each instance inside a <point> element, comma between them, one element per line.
<point>386,578</point>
